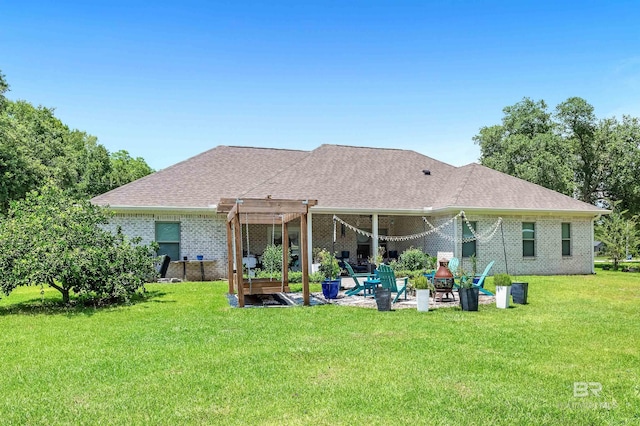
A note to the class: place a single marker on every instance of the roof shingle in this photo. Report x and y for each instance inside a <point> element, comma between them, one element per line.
<point>340,177</point>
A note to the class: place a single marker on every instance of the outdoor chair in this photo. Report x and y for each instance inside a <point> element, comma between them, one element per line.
<point>480,282</point>
<point>388,280</point>
<point>368,283</point>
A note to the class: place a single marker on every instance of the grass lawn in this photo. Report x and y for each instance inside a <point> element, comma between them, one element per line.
<point>184,357</point>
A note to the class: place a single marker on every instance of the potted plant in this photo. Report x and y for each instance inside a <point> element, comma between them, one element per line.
<point>519,292</point>
<point>468,293</point>
<point>378,258</point>
<point>423,287</point>
<point>330,270</point>
<point>503,290</point>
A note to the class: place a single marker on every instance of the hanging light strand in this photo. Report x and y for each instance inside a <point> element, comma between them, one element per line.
<point>486,236</point>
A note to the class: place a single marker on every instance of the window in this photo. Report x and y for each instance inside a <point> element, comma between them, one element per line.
<point>168,238</point>
<point>468,248</point>
<point>528,239</point>
<point>566,239</point>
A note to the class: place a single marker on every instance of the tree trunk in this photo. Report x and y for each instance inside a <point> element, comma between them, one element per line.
<point>64,291</point>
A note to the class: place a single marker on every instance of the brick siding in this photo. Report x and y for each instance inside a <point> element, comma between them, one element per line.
<point>203,234</point>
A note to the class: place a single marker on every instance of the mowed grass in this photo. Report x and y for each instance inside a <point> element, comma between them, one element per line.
<point>183,356</point>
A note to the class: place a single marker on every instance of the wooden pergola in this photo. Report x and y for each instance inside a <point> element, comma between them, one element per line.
<point>264,211</point>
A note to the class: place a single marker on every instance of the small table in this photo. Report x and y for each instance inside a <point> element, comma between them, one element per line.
<point>370,284</point>
<point>184,267</point>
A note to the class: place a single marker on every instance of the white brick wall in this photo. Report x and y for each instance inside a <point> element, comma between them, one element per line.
<point>200,235</point>
<point>205,235</point>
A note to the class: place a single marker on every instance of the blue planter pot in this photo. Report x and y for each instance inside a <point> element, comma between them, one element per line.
<point>330,288</point>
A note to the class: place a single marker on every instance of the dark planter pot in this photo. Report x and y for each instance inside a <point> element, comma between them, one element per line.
<point>383,299</point>
<point>469,298</point>
<point>330,288</point>
<point>519,292</point>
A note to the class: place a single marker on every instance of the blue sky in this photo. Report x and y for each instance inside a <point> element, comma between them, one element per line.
<point>168,80</point>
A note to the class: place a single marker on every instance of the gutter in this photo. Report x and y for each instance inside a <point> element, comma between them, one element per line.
<point>152,209</point>
<point>521,211</point>
<point>387,212</point>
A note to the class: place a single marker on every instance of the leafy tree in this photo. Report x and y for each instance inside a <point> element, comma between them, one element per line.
<point>35,146</point>
<point>578,125</point>
<point>619,235</point>
<point>621,178</point>
<point>527,146</point>
<point>125,169</point>
<point>51,238</point>
<point>571,152</point>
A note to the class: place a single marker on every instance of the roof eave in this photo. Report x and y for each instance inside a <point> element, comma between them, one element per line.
<point>151,209</point>
<point>521,211</point>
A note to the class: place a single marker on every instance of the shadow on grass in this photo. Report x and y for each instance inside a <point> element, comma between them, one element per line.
<point>55,306</point>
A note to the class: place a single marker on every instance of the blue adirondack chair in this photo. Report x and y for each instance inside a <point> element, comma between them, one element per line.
<point>480,282</point>
<point>478,279</point>
<point>369,282</point>
<point>388,280</point>
<point>453,266</point>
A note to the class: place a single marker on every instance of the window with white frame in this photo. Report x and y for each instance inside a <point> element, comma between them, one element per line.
<point>528,239</point>
<point>566,239</point>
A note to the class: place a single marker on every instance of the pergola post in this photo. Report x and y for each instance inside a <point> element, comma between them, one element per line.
<point>239,279</point>
<point>305,259</point>
<point>230,237</point>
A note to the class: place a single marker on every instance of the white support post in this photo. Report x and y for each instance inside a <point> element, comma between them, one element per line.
<point>374,228</point>
<point>456,253</point>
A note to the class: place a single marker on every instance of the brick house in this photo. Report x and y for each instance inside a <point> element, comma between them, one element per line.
<point>389,192</point>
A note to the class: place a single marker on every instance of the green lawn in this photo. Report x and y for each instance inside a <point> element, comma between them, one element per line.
<point>184,357</point>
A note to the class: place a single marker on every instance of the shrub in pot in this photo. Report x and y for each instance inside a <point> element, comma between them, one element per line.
<point>330,270</point>
<point>503,290</point>
<point>423,287</point>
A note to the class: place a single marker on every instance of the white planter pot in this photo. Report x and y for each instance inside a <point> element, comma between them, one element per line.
<point>503,294</point>
<point>422,297</point>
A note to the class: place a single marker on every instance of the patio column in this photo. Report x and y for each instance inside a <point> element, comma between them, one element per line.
<point>374,229</point>
<point>455,238</point>
<point>309,240</point>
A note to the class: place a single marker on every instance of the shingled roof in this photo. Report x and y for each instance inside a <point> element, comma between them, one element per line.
<point>340,178</point>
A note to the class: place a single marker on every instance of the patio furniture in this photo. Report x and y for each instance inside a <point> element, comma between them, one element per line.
<point>480,282</point>
<point>388,280</point>
<point>369,283</point>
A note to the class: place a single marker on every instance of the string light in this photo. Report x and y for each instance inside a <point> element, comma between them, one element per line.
<point>486,236</point>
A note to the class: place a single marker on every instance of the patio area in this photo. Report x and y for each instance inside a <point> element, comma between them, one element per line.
<point>409,303</point>
<point>294,299</point>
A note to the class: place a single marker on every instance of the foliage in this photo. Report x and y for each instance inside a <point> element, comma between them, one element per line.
<point>37,147</point>
<point>50,238</point>
<point>329,266</point>
<point>619,235</point>
<point>502,280</point>
<point>414,259</point>
<point>272,258</point>
<point>378,258</point>
<point>295,277</point>
<point>570,151</point>
<point>474,264</point>
<point>422,283</point>
<point>464,279</point>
